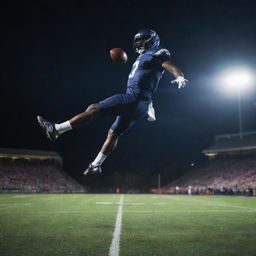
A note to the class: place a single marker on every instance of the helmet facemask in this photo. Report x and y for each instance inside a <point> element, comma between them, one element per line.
<point>139,44</point>
<point>143,42</point>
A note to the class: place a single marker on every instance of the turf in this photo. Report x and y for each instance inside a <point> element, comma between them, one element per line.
<point>152,225</point>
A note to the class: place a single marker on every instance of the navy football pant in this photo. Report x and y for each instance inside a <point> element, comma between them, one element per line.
<point>127,107</point>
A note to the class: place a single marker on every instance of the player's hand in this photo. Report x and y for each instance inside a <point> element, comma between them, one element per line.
<point>181,81</point>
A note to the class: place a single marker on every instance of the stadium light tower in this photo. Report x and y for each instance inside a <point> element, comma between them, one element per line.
<point>238,80</point>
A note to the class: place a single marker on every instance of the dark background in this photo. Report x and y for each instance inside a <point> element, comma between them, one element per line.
<point>55,62</point>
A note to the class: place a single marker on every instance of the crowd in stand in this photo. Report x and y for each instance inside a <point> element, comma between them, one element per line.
<point>229,176</point>
<point>34,176</point>
<point>201,190</point>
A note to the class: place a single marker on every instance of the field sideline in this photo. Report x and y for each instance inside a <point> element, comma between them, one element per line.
<point>147,225</point>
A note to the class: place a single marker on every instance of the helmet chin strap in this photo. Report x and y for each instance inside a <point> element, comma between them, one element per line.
<point>140,51</point>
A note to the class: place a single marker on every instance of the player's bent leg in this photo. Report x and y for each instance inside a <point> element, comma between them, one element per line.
<point>107,148</point>
<point>119,127</point>
<point>110,143</point>
<point>85,117</point>
<point>54,130</point>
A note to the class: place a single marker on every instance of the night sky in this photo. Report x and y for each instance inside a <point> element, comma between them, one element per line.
<point>55,62</point>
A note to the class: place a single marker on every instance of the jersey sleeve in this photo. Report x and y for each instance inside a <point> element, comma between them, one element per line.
<point>162,55</point>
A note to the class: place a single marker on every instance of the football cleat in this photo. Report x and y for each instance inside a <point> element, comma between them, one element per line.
<point>93,169</point>
<point>49,128</point>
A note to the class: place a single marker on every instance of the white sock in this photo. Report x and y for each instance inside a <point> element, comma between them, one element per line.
<point>99,159</point>
<point>63,127</point>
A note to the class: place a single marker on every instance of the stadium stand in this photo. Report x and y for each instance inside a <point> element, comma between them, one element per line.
<point>232,144</point>
<point>34,171</point>
<point>231,168</point>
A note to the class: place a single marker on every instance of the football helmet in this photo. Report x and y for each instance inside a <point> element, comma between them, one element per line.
<point>145,39</point>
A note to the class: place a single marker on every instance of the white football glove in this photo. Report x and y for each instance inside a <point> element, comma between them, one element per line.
<point>151,113</point>
<point>181,81</point>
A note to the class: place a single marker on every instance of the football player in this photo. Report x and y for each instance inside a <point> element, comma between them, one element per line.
<point>130,106</point>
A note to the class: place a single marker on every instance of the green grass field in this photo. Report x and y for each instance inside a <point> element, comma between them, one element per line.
<point>152,225</point>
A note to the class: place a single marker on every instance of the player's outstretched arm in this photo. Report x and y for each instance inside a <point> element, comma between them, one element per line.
<point>170,67</point>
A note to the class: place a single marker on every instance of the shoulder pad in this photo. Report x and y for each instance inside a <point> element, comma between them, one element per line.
<point>162,52</point>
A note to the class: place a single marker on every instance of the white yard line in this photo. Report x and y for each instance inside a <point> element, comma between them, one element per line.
<point>7,211</point>
<point>105,203</point>
<point>191,211</point>
<point>114,248</point>
<point>109,203</point>
<point>135,203</point>
<point>128,211</point>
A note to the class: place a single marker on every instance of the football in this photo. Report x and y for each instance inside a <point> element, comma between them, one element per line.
<point>118,55</point>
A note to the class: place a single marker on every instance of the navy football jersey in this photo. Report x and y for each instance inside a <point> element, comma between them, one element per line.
<point>146,72</point>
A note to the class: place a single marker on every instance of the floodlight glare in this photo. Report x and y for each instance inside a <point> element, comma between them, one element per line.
<point>238,79</point>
